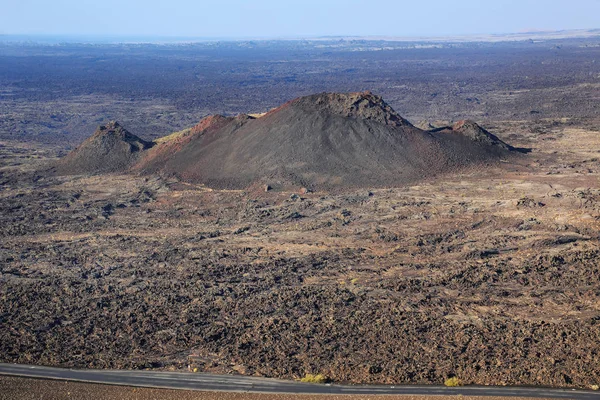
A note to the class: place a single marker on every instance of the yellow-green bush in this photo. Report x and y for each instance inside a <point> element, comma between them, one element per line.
<point>453,382</point>
<point>318,378</point>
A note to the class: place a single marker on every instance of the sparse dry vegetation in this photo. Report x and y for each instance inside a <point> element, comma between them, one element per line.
<point>453,382</point>
<point>314,378</point>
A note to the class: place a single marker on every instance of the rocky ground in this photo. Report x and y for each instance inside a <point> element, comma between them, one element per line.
<point>491,276</point>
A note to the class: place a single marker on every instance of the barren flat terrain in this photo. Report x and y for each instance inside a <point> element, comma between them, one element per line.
<point>488,275</point>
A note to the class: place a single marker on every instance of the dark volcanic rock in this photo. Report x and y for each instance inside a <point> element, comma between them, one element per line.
<point>110,149</point>
<point>475,133</point>
<point>363,105</point>
<point>325,140</point>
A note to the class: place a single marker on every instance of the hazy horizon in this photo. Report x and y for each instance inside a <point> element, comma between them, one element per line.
<point>52,39</point>
<point>270,19</point>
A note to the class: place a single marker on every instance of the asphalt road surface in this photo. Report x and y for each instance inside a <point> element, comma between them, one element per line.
<point>234,383</point>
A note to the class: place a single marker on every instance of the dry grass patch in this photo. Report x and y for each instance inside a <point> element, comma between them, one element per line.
<point>453,382</point>
<point>318,378</point>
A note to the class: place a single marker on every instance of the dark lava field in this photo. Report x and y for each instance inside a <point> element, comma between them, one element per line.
<point>489,273</point>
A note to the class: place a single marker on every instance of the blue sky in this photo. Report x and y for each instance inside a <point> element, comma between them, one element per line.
<point>290,18</point>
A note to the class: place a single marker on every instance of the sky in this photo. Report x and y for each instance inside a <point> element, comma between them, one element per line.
<point>293,19</point>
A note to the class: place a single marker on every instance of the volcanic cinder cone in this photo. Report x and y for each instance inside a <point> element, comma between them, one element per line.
<point>326,140</point>
<point>475,133</point>
<point>110,149</point>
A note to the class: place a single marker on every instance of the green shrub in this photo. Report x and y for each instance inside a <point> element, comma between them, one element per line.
<point>453,382</point>
<point>310,378</point>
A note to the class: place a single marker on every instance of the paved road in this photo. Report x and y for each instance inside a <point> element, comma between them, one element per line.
<point>233,383</point>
